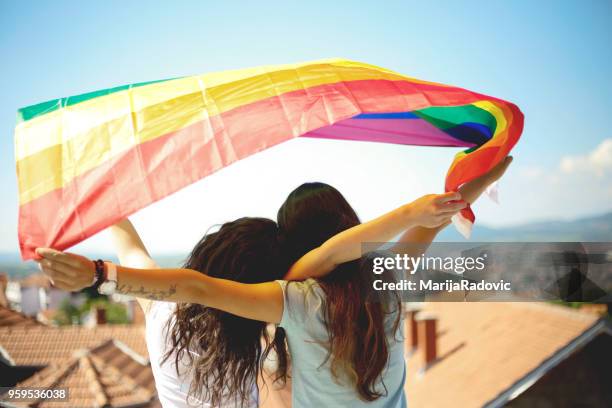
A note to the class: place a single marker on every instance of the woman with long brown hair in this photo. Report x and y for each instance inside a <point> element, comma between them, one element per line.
<point>345,343</point>
<point>202,356</point>
<point>352,346</point>
<point>336,361</point>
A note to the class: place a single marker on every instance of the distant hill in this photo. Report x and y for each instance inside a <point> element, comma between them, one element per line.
<point>589,229</point>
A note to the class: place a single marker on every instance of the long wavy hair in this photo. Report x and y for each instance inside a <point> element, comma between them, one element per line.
<point>226,352</point>
<point>356,323</point>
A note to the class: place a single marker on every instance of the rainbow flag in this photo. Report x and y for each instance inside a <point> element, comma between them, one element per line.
<point>85,162</point>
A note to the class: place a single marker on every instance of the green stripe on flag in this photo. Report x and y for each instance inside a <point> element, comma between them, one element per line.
<point>450,116</point>
<point>30,112</point>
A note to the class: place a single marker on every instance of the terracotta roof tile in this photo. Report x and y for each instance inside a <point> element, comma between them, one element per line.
<point>101,365</point>
<point>42,345</point>
<point>93,381</point>
<point>9,317</point>
<point>133,365</point>
<point>484,348</point>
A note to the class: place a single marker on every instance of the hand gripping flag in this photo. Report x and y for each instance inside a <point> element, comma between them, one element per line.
<point>85,162</point>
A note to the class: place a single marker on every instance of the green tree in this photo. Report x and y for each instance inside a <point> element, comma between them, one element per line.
<point>67,314</point>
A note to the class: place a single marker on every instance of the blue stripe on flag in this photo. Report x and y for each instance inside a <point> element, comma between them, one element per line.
<point>390,115</point>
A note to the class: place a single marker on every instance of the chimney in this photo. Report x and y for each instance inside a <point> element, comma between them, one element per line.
<point>3,284</point>
<point>410,326</point>
<point>427,339</point>
<point>100,316</point>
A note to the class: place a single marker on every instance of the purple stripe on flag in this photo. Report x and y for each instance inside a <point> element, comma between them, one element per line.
<point>398,131</point>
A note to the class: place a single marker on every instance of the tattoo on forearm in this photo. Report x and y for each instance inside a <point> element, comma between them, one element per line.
<point>149,294</point>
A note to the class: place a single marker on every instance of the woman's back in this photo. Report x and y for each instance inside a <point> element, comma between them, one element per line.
<point>172,388</point>
<point>312,380</point>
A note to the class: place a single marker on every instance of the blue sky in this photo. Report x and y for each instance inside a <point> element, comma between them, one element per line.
<point>552,58</point>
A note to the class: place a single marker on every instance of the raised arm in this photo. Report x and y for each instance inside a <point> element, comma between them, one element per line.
<point>415,241</point>
<point>131,251</point>
<point>262,301</point>
<point>421,220</point>
<point>430,211</point>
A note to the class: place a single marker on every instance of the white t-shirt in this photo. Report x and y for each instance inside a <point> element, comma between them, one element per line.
<point>172,390</point>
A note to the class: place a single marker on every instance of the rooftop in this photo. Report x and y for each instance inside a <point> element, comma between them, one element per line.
<point>106,365</point>
<point>39,345</point>
<point>107,375</point>
<point>12,318</point>
<point>487,348</point>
